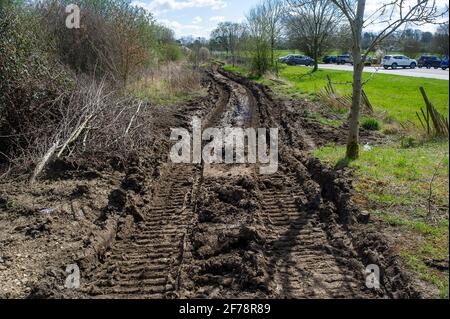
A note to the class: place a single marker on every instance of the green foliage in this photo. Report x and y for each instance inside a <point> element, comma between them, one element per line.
<point>371,124</point>
<point>260,57</point>
<point>408,142</point>
<point>30,78</point>
<point>170,52</point>
<point>40,59</point>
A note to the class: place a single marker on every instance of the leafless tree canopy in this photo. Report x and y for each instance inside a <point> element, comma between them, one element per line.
<point>391,15</point>
<point>312,22</point>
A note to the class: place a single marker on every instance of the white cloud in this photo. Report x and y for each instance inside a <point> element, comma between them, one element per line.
<point>197,20</point>
<point>217,19</point>
<point>161,6</point>
<point>185,29</point>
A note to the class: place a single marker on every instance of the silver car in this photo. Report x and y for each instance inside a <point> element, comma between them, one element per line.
<point>398,61</point>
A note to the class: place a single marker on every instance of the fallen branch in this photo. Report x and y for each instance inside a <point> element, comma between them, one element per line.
<point>44,161</point>
<point>75,134</point>
<point>132,118</point>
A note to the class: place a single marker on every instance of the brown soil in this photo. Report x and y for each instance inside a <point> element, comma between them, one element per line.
<point>142,227</point>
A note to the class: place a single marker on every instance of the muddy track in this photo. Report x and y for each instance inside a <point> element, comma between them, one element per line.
<point>145,263</point>
<point>288,235</point>
<point>220,231</point>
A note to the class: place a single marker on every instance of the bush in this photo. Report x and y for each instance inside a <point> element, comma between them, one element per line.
<point>371,125</point>
<point>409,142</point>
<point>30,80</point>
<point>260,57</point>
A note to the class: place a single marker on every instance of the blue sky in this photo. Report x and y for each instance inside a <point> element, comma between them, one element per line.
<point>196,17</point>
<point>199,17</point>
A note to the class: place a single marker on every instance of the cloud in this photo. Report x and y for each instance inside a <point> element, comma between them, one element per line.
<point>161,6</point>
<point>197,20</point>
<point>185,29</point>
<point>217,19</point>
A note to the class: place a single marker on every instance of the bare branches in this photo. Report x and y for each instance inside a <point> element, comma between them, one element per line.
<point>312,22</point>
<point>40,166</point>
<point>390,15</point>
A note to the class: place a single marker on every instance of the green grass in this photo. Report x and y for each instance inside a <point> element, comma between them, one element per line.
<point>399,96</point>
<point>395,175</point>
<point>393,184</point>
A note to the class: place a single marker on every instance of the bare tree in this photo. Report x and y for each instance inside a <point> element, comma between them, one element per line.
<point>390,16</point>
<point>312,22</point>
<point>228,35</point>
<point>440,41</point>
<point>272,12</point>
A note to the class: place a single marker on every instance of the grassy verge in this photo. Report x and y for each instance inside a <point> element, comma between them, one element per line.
<point>398,96</point>
<point>394,184</point>
<point>168,85</point>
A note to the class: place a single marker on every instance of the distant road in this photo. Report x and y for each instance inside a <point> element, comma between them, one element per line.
<point>417,73</point>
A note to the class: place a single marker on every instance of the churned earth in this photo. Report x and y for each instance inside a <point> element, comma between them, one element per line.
<point>143,227</point>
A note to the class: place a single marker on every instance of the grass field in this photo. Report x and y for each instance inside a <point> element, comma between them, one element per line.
<point>399,96</point>
<point>393,183</point>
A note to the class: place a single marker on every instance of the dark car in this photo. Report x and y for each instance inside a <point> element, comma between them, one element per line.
<point>330,59</point>
<point>343,59</point>
<point>299,60</point>
<point>285,58</point>
<point>444,63</point>
<point>429,61</point>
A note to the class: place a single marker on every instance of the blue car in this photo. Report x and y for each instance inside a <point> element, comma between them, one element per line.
<point>444,63</point>
<point>298,59</point>
<point>329,59</point>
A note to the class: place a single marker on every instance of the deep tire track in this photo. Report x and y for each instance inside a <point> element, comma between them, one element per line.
<point>145,264</point>
<point>301,260</point>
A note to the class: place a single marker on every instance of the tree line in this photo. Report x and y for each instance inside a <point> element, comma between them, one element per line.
<point>314,27</point>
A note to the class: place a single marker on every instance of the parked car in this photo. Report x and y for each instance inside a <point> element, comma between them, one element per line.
<point>285,58</point>
<point>444,63</point>
<point>343,59</point>
<point>299,60</point>
<point>396,61</point>
<point>429,61</point>
<point>330,59</point>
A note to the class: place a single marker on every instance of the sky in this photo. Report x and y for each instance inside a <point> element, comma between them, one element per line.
<point>196,17</point>
<point>199,17</point>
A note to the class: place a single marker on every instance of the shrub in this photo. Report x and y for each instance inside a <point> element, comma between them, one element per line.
<point>409,142</point>
<point>371,125</point>
<point>30,80</point>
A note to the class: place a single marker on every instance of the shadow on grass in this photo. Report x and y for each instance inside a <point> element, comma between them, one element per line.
<point>343,163</point>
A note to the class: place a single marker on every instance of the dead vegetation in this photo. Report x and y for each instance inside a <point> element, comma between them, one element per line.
<point>65,92</point>
<point>167,83</point>
<point>432,122</point>
<point>337,101</point>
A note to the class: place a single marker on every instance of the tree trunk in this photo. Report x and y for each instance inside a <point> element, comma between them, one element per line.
<point>272,48</point>
<point>358,67</point>
<point>316,65</point>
